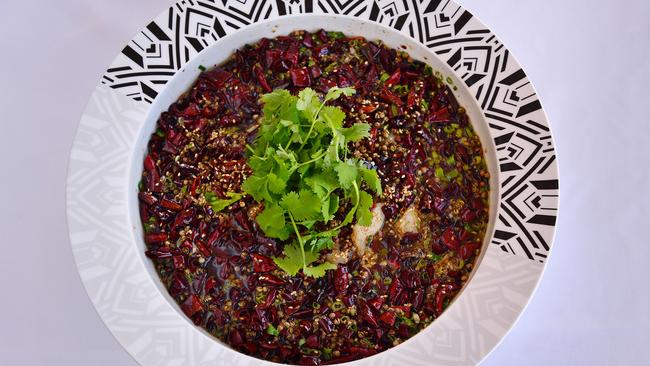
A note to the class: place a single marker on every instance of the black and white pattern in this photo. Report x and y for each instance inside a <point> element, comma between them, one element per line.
<point>526,156</point>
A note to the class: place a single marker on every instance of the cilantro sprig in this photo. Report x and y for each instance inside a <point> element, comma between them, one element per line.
<point>303,175</point>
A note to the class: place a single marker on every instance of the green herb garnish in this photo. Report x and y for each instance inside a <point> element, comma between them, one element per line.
<point>424,105</point>
<point>302,174</point>
<point>272,331</point>
<point>401,89</point>
<point>219,204</point>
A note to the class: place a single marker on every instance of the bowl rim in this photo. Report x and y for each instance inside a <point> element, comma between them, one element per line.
<point>74,200</point>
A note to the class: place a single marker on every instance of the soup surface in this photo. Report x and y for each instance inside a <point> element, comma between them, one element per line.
<point>384,275</point>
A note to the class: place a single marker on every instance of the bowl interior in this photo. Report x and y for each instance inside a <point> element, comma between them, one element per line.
<point>221,50</point>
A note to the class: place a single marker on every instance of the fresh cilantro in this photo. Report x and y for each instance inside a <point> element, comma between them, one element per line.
<point>292,260</point>
<point>357,132</point>
<point>364,216</point>
<point>303,206</point>
<point>219,204</point>
<point>372,179</point>
<point>318,270</point>
<point>347,173</point>
<point>272,222</point>
<point>302,175</point>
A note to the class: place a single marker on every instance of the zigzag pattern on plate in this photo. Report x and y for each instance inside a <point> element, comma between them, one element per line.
<point>526,156</point>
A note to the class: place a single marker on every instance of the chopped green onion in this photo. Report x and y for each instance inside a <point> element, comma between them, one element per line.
<point>259,297</point>
<point>424,104</point>
<point>452,174</point>
<point>336,35</point>
<point>440,174</point>
<point>433,257</point>
<point>337,305</point>
<point>403,89</point>
<point>272,331</point>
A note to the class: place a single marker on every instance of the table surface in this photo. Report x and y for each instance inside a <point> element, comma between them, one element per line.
<point>589,60</point>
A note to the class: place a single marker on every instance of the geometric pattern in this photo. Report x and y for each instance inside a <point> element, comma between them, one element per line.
<point>136,309</point>
<point>529,199</point>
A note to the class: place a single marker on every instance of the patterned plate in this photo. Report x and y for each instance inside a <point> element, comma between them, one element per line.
<point>131,302</point>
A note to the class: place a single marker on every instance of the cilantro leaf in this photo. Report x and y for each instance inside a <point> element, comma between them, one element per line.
<point>357,132</point>
<point>292,260</point>
<point>219,204</point>
<point>335,93</point>
<point>308,102</point>
<point>318,270</point>
<point>260,163</point>
<point>273,222</point>
<point>302,206</point>
<point>322,184</point>
<point>372,179</point>
<point>319,244</point>
<point>279,103</point>
<point>257,186</point>
<point>347,173</point>
<point>333,116</point>
<point>275,183</point>
<point>329,207</point>
<point>363,214</point>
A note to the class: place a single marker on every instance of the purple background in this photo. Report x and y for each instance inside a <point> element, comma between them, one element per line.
<point>589,59</point>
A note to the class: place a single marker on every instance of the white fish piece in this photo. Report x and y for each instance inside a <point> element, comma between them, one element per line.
<point>410,221</point>
<point>361,234</point>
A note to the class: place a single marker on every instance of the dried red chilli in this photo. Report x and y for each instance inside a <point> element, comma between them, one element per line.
<point>218,266</point>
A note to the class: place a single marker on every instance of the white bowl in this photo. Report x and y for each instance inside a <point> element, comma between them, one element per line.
<point>221,50</point>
